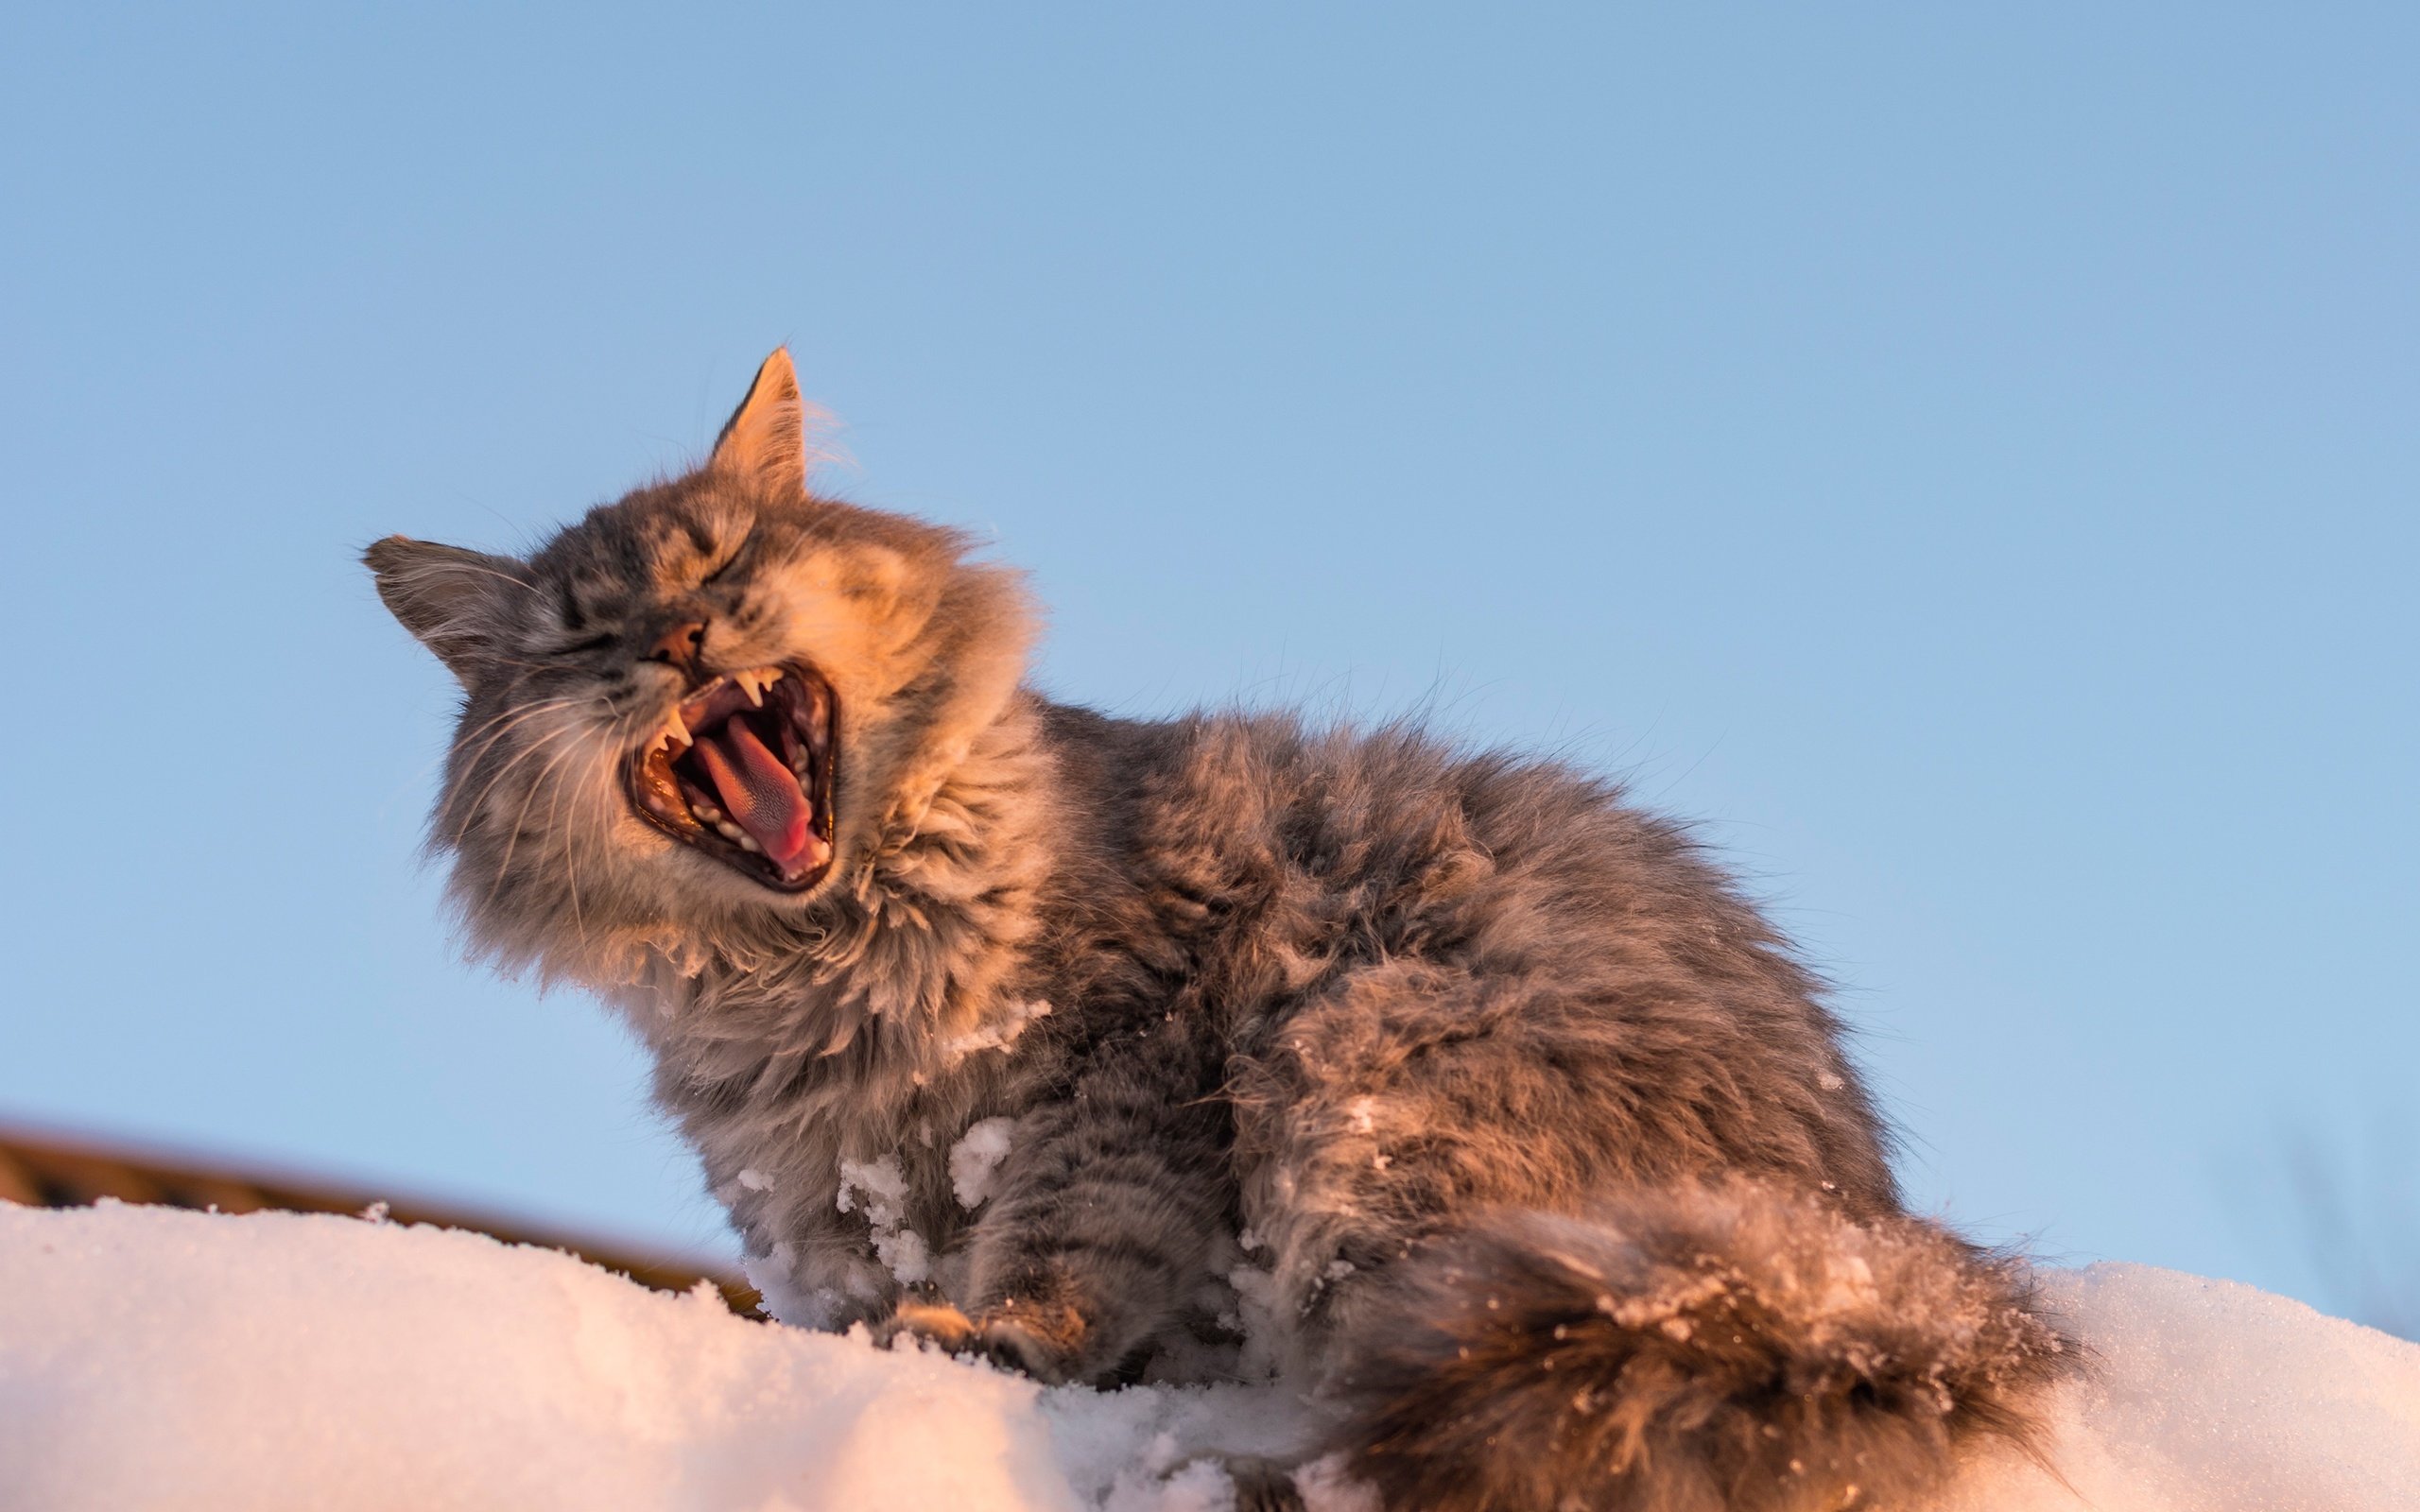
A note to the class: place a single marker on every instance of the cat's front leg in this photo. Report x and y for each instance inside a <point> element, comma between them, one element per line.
<point>1048,1348</point>
<point>1100,1218</point>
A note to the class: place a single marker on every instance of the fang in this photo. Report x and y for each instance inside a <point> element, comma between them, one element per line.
<point>756,683</point>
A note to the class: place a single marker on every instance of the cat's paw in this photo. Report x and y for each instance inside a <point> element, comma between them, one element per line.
<point>1029,1341</point>
<point>1024,1342</point>
<point>927,1323</point>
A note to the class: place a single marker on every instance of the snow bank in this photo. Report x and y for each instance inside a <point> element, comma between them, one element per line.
<point>2216,1397</point>
<point>173,1359</point>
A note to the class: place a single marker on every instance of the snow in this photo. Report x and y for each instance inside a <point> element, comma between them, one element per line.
<point>165,1358</point>
<point>2215,1397</point>
<point>883,1188</point>
<point>1000,1034</point>
<point>975,1155</point>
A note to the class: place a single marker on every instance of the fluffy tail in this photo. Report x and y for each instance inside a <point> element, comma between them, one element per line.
<point>1725,1350</point>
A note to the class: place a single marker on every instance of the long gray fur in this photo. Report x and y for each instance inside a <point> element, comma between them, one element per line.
<point>1514,1127</point>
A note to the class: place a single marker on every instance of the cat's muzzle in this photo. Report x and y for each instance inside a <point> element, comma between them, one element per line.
<point>743,771</point>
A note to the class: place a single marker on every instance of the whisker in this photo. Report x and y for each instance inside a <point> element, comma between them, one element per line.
<point>471,813</point>
<point>473,759</point>
<point>571,874</point>
<point>522,818</point>
<point>516,713</point>
<point>463,737</point>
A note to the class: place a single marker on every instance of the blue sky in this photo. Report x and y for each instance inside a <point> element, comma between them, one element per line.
<point>1968,462</point>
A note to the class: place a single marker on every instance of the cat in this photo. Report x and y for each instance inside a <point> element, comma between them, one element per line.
<point>1078,1044</point>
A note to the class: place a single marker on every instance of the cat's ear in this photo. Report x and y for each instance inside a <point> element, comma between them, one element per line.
<point>446,596</point>
<point>766,437</point>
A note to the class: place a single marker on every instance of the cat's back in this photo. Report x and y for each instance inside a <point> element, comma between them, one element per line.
<point>1319,891</point>
<point>1395,841</point>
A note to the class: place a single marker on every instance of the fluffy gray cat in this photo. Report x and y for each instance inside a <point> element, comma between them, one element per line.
<point>1081,1043</point>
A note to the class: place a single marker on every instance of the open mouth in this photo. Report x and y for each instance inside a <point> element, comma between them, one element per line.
<point>742,770</point>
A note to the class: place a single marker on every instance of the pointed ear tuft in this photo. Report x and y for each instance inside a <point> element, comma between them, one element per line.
<point>446,596</point>
<point>766,437</point>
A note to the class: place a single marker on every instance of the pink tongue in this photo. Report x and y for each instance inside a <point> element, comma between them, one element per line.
<point>758,792</point>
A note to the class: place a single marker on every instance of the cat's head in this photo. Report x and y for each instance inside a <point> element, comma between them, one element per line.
<point>704,703</point>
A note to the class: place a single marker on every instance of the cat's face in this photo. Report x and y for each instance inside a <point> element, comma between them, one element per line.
<point>699,701</point>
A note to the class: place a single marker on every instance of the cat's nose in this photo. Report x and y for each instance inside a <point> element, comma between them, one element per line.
<point>679,646</point>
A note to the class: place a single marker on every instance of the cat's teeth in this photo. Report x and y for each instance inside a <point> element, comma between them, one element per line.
<point>754,682</point>
<point>707,812</point>
<point>675,732</point>
<point>733,833</point>
<point>749,845</point>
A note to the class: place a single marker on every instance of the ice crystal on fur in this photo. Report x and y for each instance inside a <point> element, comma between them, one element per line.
<point>1558,1181</point>
<point>975,1155</point>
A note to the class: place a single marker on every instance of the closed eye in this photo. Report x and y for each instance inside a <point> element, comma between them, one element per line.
<point>594,643</point>
<point>732,560</point>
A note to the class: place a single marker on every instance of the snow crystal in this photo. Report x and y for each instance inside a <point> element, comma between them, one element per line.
<point>779,1296</point>
<point>279,1362</point>
<point>905,1254</point>
<point>1000,1034</point>
<point>1326,1488</point>
<point>975,1156</point>
<point>883,1187</point>
<point>754,1181</point>
<point>881,1180</point>
<point>1255,1314</point>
